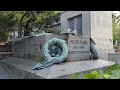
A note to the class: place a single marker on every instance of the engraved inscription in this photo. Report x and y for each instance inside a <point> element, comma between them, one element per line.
<point>78,46</point>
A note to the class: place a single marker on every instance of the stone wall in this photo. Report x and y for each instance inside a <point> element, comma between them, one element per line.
<point>31,48</point>
<point>101,29</point>
<point>101,32</point>
<point>85,21</point>
<point>56,28</point>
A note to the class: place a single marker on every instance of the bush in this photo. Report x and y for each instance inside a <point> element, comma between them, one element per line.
<point>113,72</point>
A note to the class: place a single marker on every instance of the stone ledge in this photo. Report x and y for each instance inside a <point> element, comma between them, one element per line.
<point>22,68</point>
<point>114,57</point>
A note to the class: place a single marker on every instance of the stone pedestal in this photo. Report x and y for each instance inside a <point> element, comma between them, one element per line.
<point>31,47</point>
<point>115,57</point>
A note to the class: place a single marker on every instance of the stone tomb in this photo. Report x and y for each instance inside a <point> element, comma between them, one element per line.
<point>31,47</point>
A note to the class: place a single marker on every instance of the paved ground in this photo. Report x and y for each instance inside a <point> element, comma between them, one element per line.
<point>3,74</point>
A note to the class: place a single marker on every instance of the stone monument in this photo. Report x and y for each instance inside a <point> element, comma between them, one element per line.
<point>95,24</point>
<point>31,48</point>
<point>82,25</point>
<point>77,28</point>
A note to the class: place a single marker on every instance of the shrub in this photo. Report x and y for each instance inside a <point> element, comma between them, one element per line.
<point>113,72</point>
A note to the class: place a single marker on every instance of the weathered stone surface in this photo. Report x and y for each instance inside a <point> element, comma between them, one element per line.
<point>95,24</point>
<point>101,32</point>
<point>31,48</point>
<point>79,48</point>
<point>115,57</point>
<point>22,68</point>
<point>3,74</point>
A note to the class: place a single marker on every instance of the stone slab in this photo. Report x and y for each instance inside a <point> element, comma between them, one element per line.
<point>115,57</point>
<point>22,68</point>
<point>78,47</point>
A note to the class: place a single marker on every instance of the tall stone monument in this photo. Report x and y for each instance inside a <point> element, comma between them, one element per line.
<point>95,24</point>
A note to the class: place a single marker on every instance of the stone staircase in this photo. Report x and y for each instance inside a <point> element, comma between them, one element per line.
<point>17,68</point>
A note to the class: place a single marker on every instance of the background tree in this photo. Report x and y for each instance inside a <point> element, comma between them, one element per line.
<point>116,27</point>
<point>23,21</point>
<point>8,24</point>
<point>32,19</point>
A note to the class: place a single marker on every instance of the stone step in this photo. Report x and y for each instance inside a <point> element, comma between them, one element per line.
<point>3,74</point>
<point>22,68</point>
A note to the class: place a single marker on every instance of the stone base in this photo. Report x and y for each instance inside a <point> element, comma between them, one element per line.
<point>31,47</point>
<point>115,57</point>
<point>103,53</point>
<point>22,68</point>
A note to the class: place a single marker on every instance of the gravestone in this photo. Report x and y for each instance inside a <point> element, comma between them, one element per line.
<point>78,48</point>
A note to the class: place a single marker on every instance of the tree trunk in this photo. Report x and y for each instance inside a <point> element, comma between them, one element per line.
<point>27,31</point>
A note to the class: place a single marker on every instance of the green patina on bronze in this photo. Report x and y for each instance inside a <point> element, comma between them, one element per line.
<point>54,51</point>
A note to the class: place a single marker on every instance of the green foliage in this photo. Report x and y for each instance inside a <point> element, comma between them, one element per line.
<point>92,75</point>
<point>77,76</point>
<point>96,75</point>
<point>8,24</point>
<point>116,66</point>
<point>107,76</point>
<point>116,27</point>
<point>80,75</point>
<point>113,72</point>
<point>11,21</point>
<point>74,76</point>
